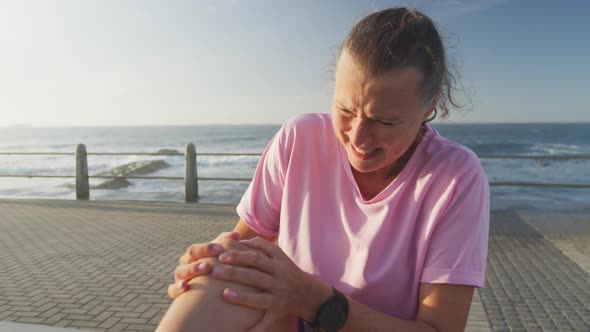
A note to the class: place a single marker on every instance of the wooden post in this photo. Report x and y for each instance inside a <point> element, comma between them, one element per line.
<point>82,187</point>
<point>191,185</point>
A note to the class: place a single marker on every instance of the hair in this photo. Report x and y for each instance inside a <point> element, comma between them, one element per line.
<point>399,37</point>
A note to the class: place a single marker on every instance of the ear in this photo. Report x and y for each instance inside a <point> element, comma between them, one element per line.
<point>430,109</point>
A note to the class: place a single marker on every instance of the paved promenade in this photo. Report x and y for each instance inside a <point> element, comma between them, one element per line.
<point>105,266</point>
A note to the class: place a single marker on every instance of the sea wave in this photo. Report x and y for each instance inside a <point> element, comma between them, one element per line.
<point>500,147</point>
<point>227,160</point>
<point>558,149</point>
<point>484,139</point>
<point>525,148</point>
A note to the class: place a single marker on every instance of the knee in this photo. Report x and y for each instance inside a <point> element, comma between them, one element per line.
<point>203,308</point>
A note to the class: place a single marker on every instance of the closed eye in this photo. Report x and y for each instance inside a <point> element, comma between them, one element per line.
<point>387,123</point>
<point>347,112</point>
<point>344,111</point>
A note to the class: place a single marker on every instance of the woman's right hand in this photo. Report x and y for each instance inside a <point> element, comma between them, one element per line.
<point>189,265</point>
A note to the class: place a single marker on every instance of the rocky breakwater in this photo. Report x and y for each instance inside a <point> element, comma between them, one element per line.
<point>136,168</point>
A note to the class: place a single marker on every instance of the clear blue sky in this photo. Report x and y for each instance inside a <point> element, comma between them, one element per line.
<point>122,62</point>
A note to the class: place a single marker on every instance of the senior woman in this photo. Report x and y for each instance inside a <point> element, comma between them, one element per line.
<point>365,219</point>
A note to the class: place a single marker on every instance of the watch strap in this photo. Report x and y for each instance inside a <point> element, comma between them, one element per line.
<point>337,299</point>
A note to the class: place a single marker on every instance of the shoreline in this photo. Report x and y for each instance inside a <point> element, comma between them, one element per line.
<point>538,199</point>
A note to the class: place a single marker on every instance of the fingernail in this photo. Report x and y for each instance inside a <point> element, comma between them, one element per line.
<point>231,293</point>
<point>182,285</point>
<point>218,270</point>
<point>216,247</point>
<point>202,266</point>
<point>224,256</point>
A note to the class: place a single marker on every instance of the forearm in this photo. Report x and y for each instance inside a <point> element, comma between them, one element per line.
<point>247,233</point>
<point>360,316</point>
<point>363,318</point>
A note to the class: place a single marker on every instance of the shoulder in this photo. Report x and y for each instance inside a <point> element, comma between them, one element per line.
<point>450,157</point>
<point>308,127</point>
<point>308,121</point>
<point>306,133</point>
<point>457,182</point>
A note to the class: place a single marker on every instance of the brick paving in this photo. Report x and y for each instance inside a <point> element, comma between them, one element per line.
<point>105,266</point>
<point>571,236</point>
<point>477,320</point>
<point>531,285</point>
<point>102,266</point>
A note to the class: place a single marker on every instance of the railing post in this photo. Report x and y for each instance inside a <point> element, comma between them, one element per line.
<point>191,185</point>
<point>82,187</point>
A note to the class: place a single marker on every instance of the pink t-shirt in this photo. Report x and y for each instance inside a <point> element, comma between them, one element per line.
<point>430,225</point>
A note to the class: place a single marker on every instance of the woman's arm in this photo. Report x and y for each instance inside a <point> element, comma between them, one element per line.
<point>290,291</point>
<point>442,307</point>
<point>248,233</point>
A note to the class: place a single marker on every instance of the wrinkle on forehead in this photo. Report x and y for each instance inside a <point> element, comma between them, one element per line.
<point>393,92</point>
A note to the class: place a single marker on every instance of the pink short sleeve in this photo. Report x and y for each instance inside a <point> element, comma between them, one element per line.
<point>457,251</point>
<point>260,207</point>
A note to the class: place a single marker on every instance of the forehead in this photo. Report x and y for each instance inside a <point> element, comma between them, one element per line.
<point>395,89</point>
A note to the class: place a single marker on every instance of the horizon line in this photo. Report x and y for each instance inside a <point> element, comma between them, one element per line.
<point>31,126</point>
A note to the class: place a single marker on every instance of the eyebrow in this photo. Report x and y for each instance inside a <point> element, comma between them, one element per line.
<point>384,118</point>
<point>371,116</point>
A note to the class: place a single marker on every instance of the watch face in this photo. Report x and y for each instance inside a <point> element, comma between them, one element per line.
<point>332,317</point>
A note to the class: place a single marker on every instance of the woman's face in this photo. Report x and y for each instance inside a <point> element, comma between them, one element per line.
<point>376,119</point>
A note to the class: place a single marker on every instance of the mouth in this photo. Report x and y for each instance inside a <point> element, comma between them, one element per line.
<point>363,154</point>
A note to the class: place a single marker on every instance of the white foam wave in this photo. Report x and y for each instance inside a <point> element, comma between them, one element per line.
<point>227,160</point>
<point>558,149</point>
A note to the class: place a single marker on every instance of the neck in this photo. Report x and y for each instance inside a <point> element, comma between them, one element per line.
<point>399,165</point>
<point>371,184</point>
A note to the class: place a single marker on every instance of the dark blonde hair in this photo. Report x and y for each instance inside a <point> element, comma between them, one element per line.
<point>399,37</point>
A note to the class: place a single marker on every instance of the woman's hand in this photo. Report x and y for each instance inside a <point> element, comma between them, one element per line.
<point>287,290</point>
<point>190,267</point>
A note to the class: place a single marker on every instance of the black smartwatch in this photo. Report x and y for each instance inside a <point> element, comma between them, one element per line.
<point>332,314</point>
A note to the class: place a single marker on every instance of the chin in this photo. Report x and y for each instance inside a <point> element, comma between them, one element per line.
<point>363,166</point>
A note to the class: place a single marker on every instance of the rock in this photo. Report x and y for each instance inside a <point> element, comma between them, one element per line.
<point>131,169</point>
<point>142,167</point>
<point>113,184</point>
<point>136,168</point>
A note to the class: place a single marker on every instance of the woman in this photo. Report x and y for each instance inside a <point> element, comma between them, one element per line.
<point>380,223</point>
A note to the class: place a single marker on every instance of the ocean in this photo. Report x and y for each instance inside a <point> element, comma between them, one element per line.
<point>484,139</point>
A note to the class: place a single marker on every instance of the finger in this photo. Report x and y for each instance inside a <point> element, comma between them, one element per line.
<point>178,288</point>
<point>229,235</point>
<point>261,244</point>
<point>189,271</point>
<point>264,324</point>
<point>256,259</point>
<point>201,250</point>
<point>247,299</point>
<point>244,276</point>
<point>232,244</point>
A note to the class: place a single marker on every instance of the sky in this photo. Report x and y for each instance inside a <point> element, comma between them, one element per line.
<point>176,62</point>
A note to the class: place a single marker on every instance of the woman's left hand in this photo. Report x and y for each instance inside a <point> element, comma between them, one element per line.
<point>287,290</point>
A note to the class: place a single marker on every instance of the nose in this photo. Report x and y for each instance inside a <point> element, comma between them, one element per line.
<point>360,133</point>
